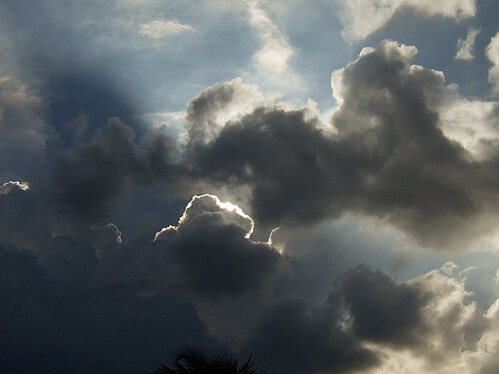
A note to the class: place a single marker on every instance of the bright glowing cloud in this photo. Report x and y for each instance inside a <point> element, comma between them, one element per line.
<point>9,186</point>
<point>272,59</point>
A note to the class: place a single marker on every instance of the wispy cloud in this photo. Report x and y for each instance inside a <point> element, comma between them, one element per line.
<point>465,47</point>
<point>493,55</point>
<point>162,29</point>
<point>276,51</point>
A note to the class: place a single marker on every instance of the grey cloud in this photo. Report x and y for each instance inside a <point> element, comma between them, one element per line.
<point>415,172</point>
<point>86,181</point>
<point>389,157</point>
<point>430,315</point>
<point>68,259</point>
<point>53,324</point>
<point>275,151</point>
<point>23,218</point>
<point>369,319</point>
<point>209,254</point>
<point>466,46</point>
<point>381,310</point>
<point>297,337</point>
<point>207,258</point>
<point>211,248</point>
<point>24,132</point>
<point>208,112</point>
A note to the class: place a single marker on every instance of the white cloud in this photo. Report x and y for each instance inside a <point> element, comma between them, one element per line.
<point>162,29</point>
<point>210,205</point>
<point>452,322</point>
<point>276,51</point>
<point>9,186</point>
<point>222,103</point>
<point>171,121</point>
<point>466,46</point>
<point>493,55</point>
<point>363,17</point>
<point>472,123</point>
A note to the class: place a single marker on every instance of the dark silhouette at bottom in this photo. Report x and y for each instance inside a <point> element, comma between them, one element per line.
<point>192,360</point>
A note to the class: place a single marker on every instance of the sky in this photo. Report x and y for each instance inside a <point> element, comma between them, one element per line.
<point>315,183</point>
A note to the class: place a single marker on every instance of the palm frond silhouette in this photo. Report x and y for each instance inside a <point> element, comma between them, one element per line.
<point>192,360</point>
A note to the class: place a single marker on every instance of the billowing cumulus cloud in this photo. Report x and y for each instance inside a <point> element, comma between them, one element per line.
<point>380,310</point>
<point>370,323</point>
<point>449,334</point>
<point>144,206</point>
<point>385,154</point>
<point>213,252</point>
<point>212,259</point>
<point>363,17</point>
<point>208,113</point>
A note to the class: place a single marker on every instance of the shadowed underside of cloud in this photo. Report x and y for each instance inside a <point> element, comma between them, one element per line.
<point>77,295</point>
<point>110,288</point>
<point>392,151</point>
<point>87,180</point>
<point>426,323</point>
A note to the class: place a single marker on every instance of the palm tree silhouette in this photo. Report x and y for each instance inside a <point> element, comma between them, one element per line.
<point>192,360</point>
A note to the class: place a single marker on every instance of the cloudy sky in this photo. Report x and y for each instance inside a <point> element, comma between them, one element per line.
<point>312,182</point>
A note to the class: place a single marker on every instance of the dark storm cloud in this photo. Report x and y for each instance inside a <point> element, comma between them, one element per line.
<point>297,337</point>
<point>367,315</point>
<point>211,252</point>
<point>50,323</point>
<point>24,133</point>
<point>380,309</point>
<point>286,159</point>
<point>389,157</point>
<point>77,295</point>
<point>389,110</point>
<point>433,307</point>
<point>88,179</point>
<point>70,297</point>
<point>23,220</point>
